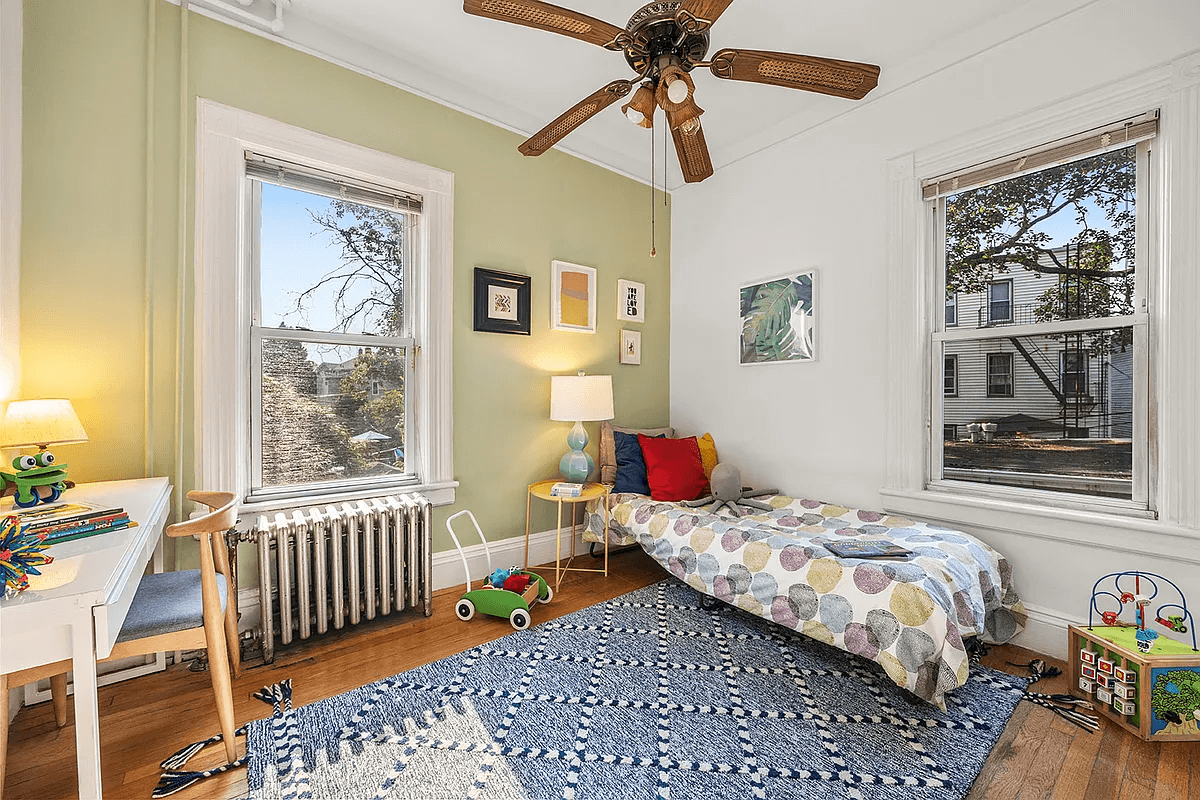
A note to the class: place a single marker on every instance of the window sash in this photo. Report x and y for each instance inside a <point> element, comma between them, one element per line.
<point>952,309</point>
<point>950,375</point>
<point>1000,310</point>
<point>258,333</point>
<point>1000,381</point>
<point>1073,371</point>
<point>1143,433</point>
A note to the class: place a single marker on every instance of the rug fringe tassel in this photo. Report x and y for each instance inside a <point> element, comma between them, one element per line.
<point>1065,706</point>
<point>174,780</point>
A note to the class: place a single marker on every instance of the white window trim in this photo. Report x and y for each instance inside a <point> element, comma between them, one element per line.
<point>1174,249</point>
<point>222,306</point>
<point>10,198</point>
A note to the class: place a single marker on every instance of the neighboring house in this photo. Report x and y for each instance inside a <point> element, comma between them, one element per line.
<point>330,375</point>
<point>1033,386</point>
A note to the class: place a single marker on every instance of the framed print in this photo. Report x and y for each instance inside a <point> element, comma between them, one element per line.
<point>572,298</point>
<point>779,319</point>
<point>631,301</point>
<point>631,347</point>
<point>503,301</point>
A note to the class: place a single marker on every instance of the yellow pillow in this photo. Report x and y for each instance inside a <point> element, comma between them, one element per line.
<point>708,454</point>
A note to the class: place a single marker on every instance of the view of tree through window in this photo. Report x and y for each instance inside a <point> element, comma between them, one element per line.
<point>332,405</point>
<point>1049,411</point>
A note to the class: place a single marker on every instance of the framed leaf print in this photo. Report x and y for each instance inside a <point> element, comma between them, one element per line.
<point>779,319</point>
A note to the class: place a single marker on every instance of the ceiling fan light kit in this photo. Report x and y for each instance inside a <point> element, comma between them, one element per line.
<point>663,42</point>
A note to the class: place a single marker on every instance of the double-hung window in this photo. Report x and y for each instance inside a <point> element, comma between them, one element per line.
<point>1058,234</point>
<point>951,309</point>
<point>330,329</point>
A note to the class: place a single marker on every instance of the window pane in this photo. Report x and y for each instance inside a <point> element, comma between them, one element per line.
<point>329,264</point>
<point>330,413</point>
<point>952,310</point>
<point>1055,244</point>
<point>950,375</point>
<point>1018,426</point>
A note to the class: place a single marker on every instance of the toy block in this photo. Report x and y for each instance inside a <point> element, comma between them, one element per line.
<point>1104,681</point>
<point>1103,695</point>
<point>1104,665</point>
<point>1121,674</point>
<point>1124,707</point>
<point>1087,672</point>
<point>1086,685</point>
<point>1087,656</point>
<point>1124,690</point>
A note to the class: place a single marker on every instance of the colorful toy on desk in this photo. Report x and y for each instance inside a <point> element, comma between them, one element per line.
<point>32,473</point>
<point>20,555</point>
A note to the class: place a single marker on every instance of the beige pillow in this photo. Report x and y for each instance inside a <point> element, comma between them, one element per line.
<point>608,447</point>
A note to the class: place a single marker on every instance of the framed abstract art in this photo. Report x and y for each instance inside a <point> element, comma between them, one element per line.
<point>502,301</point>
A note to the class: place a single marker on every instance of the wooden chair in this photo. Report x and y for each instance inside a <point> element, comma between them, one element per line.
<point>184,610</point>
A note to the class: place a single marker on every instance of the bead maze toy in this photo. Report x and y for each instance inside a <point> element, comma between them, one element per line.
<point>1146,681</point>
<point>509,593</point>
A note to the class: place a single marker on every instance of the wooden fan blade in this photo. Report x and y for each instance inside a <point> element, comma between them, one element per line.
<point>699,15</point>
<point>692,150</point>
<point>547,17</point>
<point>849,79</point>
<point>575,116</point>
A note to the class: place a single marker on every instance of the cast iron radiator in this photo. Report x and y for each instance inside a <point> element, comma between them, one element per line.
<point>342,564</point>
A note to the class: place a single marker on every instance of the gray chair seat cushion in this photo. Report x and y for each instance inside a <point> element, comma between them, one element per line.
<point>167,602</point>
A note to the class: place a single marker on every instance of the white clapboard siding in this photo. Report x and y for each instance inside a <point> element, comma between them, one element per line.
<point>1110,381</point>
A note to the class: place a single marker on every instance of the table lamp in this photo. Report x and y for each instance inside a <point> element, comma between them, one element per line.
<point>38,423</point>
<point>579,399</point>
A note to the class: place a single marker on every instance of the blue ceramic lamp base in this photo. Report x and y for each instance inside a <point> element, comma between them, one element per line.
<point>576,465</point>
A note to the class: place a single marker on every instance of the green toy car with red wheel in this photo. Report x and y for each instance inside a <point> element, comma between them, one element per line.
<point>509,593</point>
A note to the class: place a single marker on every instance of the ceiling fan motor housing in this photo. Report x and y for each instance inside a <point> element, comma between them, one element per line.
<point>658,41</point>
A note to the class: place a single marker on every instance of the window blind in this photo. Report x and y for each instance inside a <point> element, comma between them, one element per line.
<point>1093,142</point>
<point>307,179</point>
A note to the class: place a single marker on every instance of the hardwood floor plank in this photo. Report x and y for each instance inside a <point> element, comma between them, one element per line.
<point>1039,755</point>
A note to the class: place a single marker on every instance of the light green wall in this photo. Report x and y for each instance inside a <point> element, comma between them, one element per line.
<point>85,221</point>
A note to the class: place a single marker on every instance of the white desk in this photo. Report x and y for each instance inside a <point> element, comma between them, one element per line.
<point>76,607</point>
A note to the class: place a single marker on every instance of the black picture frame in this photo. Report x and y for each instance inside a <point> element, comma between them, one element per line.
<point>521,284</point>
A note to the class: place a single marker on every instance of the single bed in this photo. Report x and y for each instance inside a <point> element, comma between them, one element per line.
<point>910,616</point>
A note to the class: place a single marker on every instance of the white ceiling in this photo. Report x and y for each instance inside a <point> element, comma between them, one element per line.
<point>522,78</point>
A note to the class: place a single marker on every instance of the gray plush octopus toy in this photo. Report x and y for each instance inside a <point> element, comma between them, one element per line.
<point>727,490</point>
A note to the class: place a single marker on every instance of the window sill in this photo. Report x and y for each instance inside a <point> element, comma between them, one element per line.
<point>439,494</point>
<point>1113,528</point>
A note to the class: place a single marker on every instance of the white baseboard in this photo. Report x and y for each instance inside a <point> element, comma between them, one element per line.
<point>1046,631</point>
<point>448,566</point>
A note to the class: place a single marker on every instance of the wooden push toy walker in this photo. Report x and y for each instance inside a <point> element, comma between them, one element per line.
<point>1145,682</point>
<point>508,593</point>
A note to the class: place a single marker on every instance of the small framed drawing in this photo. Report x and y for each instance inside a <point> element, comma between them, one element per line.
<point>502,301</point>
<point>779,319</point>
<point>572,298</point>
<point>631,347</point>
<point>631,301</point>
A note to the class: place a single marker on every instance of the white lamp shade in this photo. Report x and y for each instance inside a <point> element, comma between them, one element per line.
<point>29,423</point>
<point>581,398</point>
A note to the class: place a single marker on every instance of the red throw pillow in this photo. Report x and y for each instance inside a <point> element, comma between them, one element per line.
<point>673,468</point>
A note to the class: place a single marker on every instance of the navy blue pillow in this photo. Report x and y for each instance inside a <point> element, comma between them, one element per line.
<point>631,464</point>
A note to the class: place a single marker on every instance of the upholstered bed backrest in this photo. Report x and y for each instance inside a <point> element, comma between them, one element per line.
<point>608,447</point>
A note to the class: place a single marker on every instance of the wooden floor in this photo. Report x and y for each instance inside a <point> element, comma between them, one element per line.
<point>144,720</point>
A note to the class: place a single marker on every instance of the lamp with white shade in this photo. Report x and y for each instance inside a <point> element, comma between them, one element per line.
<point>579,398</point>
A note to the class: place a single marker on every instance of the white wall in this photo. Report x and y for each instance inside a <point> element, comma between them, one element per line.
<point>819,200</point>
<point>10,215</point>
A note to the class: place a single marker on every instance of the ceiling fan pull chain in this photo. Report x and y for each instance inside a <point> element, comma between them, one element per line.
<point>653,249</point>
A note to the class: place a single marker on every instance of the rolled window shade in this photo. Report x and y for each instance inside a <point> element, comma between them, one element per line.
<point>1093,142</point>
<point>307,179</point>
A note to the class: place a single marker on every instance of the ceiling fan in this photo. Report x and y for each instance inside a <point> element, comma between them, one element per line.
<point>663,42</point>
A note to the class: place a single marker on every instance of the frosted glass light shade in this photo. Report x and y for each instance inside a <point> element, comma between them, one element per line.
<point>30,423</point>
<point>581,398</point>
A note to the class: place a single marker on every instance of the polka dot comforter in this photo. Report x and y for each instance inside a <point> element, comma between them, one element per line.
<point>909,616</point>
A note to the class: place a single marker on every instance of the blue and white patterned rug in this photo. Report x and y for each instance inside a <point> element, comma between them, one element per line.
<point>659,693</point>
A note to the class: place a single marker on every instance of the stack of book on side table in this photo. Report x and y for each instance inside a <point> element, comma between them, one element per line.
<point>63,522</point>
<point>566,490</point>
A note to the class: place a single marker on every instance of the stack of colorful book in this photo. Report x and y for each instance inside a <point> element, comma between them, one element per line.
<point>64,522</point>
